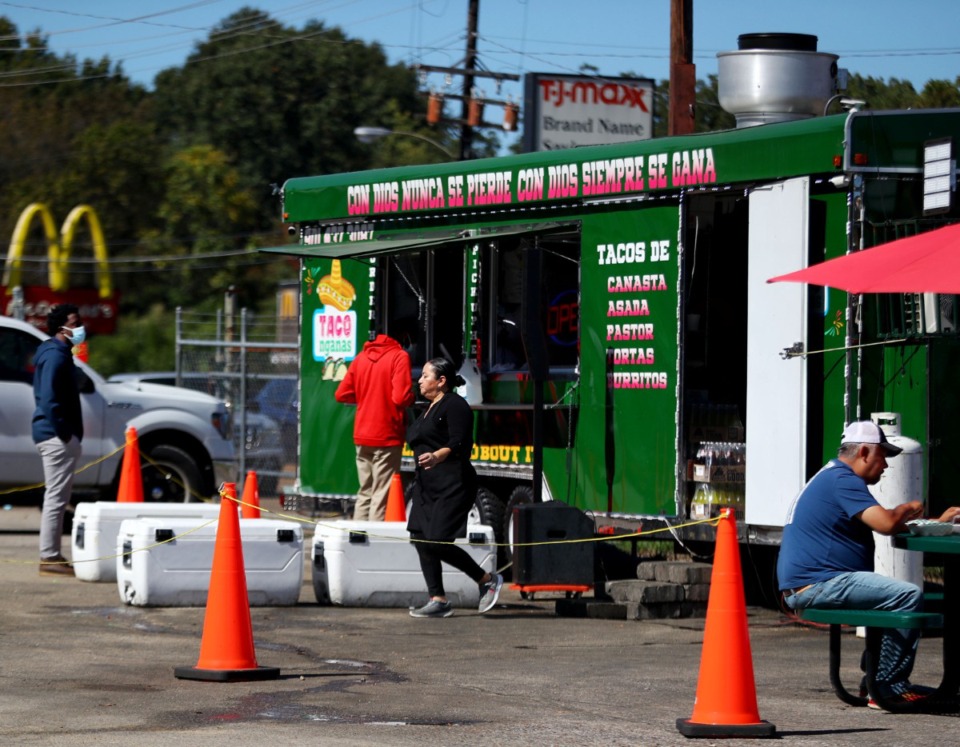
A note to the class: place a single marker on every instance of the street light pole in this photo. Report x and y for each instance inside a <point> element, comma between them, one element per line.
<point>372,134</point>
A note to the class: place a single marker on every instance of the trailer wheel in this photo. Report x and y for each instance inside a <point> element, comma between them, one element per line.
<point>522,494</point>
<point>488,509</point>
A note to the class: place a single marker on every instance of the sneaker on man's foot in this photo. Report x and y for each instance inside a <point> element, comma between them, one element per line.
<point>913,695</point>
<point>57,566</point>
<point>433,608</point>
<point>490,593</point>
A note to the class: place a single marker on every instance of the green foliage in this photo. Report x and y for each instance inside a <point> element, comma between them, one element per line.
<point>73,133</point>
<point>281,102</point>
<point>205,210</point>
<point>709,116</point>
<point>879,94</point>
<point>117,168</point>
<point>661,108</point>
<point>940,94</point>
<point>142,343</point>
<point>392,150</point>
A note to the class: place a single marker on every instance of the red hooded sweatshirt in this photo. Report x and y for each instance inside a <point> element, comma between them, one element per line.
<point>378,382</point>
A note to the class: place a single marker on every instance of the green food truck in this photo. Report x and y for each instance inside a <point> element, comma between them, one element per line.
<point>610,311</point>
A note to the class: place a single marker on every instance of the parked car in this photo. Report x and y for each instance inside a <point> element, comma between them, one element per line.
<point>263,451</point>
<point>184,435</point>
<point>280,399</point>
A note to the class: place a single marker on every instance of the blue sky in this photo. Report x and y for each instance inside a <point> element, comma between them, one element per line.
<point>883,38</point>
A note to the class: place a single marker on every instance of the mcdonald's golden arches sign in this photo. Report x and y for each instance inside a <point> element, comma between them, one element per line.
<point>98,306</point>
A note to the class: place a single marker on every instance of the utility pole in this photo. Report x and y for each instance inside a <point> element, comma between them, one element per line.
<point>683,73</point>
<point>470,62</point>
<point>471,107</point>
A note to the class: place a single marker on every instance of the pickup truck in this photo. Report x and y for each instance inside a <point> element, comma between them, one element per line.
<point>261,439</point>
<point>184,436</point>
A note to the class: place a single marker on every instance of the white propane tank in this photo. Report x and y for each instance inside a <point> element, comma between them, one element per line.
<point>901,483</point>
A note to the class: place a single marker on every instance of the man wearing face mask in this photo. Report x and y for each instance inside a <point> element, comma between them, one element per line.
<point>57,429</point>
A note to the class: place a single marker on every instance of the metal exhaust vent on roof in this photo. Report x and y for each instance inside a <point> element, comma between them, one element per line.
<point>776,78</point>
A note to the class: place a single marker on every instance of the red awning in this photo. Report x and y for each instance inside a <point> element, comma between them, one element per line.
<point>925,263</point>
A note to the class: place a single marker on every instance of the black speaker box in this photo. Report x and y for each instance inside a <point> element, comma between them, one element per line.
<point>563,563</point>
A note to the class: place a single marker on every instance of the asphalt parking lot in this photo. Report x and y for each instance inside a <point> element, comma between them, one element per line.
<point>82,668</point>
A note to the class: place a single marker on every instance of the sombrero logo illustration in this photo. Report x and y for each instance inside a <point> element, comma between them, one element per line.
<point>335,290</point>
<point>334,324</point>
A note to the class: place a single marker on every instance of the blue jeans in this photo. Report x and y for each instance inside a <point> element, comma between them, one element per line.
<point>870,591</point>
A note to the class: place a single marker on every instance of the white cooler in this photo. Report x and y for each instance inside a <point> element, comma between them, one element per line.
<point>95,528</point>
<point>373,564</point>
<point>177,573</point>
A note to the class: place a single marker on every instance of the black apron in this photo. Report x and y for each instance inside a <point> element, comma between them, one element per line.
<point>444,494</point>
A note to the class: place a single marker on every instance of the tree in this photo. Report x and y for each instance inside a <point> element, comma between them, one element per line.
<point>205,210</point>
<point>116,168</point>
<point>281,102</point>
<point>73,133</point>
<point>941,94</point>
<point>143,342</point>
<point>879,94</point>
<point>709,115</point>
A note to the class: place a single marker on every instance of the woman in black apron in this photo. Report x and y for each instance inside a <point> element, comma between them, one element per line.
<point>446,485</point>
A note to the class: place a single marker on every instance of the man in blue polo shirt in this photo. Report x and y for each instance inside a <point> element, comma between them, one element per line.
<point>826,556</point>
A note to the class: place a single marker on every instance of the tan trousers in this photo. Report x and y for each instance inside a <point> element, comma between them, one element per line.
<point>376,466</point>
<point>59,462</point>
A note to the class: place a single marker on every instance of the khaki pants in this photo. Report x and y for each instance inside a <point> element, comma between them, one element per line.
<point>59,462</point>
<point>376,466</point>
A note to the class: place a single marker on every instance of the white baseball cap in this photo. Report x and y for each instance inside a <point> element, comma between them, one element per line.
<point>868,432</point>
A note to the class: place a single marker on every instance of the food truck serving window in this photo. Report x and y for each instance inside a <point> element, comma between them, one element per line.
<point>558,314</point>
<point>468,300</point>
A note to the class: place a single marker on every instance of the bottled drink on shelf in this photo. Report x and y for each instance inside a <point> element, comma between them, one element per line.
<point>702,501</point>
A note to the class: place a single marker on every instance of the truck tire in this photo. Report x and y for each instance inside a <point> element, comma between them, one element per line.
<point>521,495</point>
<point>170,475</point>
<point>488,509</point>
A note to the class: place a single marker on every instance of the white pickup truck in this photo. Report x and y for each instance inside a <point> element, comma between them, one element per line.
<point>185,436</point>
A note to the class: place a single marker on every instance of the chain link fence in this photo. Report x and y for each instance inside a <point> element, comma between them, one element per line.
<point>251,363</point>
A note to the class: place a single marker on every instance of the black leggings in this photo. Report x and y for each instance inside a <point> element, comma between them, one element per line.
<point>432,554</point>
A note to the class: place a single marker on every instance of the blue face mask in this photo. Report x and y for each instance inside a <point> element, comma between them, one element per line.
<point>77,334</point>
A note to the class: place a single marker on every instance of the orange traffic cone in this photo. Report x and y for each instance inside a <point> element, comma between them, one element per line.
<point>226,650</point>
<point>396,510</point>
<point>250,506</point>
<point>130,489</point>
<point>726,704</point>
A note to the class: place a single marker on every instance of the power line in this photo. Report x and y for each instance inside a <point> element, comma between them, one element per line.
<point>286,14</point>
<point>37,259</point>
<point>254,27</point>
<point>87,266</point>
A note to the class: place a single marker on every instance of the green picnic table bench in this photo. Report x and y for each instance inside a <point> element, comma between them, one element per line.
<point>874,621</point>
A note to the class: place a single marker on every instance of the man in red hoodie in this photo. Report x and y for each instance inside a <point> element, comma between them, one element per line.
<point>378,381</point>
